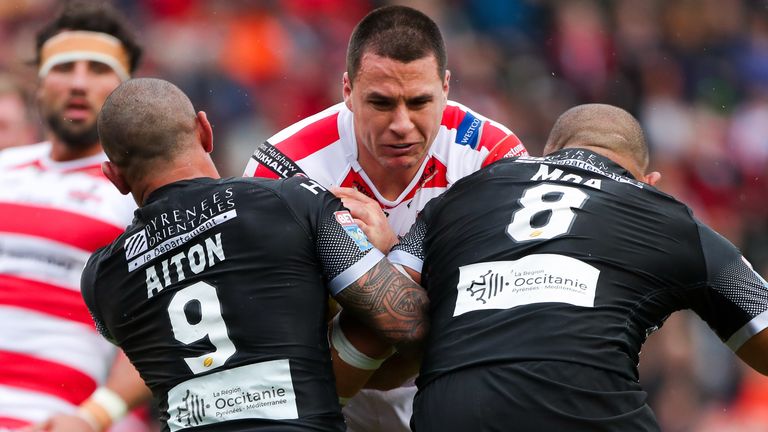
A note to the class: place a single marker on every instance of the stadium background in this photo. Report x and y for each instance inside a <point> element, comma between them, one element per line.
<point>695,72</point>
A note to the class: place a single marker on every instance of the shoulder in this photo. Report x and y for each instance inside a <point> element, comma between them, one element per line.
<point>315,146</point>
<point>295,192</point>
<point>322,127</point>
<point>20,155</point>
<point>472,129</point>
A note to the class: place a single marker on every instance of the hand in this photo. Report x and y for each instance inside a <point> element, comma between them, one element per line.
<point>60,423</point>
<point>369,217</point>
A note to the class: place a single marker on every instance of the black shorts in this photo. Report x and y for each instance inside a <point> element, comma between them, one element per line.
<point>532,396</point>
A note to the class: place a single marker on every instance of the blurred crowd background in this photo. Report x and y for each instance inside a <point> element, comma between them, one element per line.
<point>695,72</point>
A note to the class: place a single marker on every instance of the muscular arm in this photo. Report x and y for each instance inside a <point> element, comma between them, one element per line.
<point>123,380</point>
<point>754,352</point>
<point>388,302</point>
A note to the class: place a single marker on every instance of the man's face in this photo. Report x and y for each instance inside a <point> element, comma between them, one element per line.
<point>397,109</point>
<point>71,96</point>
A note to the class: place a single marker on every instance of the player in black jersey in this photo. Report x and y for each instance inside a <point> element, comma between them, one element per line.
<point>546,275</point>
<point>217,291</point>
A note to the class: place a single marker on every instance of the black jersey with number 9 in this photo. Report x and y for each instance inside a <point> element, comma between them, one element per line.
<point>218,292</point>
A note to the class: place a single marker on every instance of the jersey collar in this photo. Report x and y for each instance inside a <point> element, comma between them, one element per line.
<point>590,160</point>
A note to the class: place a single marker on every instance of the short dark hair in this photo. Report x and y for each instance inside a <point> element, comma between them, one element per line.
<point>95,16</point>
<point>145,122</point>
<point>397,32</point>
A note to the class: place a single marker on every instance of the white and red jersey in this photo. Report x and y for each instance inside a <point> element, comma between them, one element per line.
<point>324,148</point>
<point>53,215</point>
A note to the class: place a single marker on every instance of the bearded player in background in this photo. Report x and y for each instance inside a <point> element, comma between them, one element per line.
<point>57,208</point>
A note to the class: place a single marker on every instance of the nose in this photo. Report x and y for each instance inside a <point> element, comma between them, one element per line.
<point>80,75</point>
<point>401,120</point>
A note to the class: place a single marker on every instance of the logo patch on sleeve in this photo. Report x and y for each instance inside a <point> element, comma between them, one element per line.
<point>273,159</point>
<point>353,231</point>
<point>468,132</point>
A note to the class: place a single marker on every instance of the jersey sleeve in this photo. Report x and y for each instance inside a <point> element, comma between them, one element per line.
<point>269,162</point>
<point>736,306</point>
<point>410,252</point>
<point>88,291</point>
<point>343,249</point>
<point>507,147</point>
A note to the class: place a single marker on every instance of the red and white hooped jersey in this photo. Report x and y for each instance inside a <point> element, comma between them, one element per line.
<point>323,147</point>
<point>53,215</point>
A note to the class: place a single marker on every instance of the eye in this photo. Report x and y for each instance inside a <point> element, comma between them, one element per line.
<point>381,104</point>
<point>63,67</point>
<point>419,103</point>
<point>99,68</point>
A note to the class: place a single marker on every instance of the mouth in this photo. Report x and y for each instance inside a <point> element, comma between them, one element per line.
<point>77,110</point>
<point>400,149</point>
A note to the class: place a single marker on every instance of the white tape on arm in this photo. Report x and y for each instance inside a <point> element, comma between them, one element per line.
<point>102,408</point>
<point>351,355</point>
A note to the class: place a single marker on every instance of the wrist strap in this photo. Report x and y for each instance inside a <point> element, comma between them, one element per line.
<point>102,408</point>
<point>349,353</point>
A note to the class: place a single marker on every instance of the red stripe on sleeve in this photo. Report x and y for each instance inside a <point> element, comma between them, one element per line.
<point>92,170</point>
<point>44,298</point>
<point>264,172</point>
<point>509,146</point>
<point>62,226</point>
<point>12,423</point>
<point>452,116</point>
<point>491,135</point>
<point>43,376</point>
<point>310,138</point>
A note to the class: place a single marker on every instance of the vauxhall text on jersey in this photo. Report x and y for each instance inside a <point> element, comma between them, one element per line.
<point>217,293</point>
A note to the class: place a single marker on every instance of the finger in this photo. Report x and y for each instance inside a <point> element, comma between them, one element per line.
<point>360,223</point>
<point>351,193</point>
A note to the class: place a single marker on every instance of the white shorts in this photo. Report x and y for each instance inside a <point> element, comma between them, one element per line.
<point>380,411</point>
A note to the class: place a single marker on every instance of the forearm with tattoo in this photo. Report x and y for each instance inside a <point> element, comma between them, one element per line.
<point>388,302</point>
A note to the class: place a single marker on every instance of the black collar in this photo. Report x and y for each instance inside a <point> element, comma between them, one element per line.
<point>589,160</point>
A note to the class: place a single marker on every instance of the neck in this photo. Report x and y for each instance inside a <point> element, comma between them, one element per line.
<point>389,182</point>
<point>61,152</point>
<point>171,175</point>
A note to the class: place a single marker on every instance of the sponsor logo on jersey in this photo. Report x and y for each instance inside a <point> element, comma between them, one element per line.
<point>256,391</point>
<point>135,244</point>
<point>430,171</point>
<point>313,186</point>
<point>468,132</point>
<point>179,240</point>
<point>541,278</point>
<point>174,228</point>
<point>277,162</point>
<point>345,219</point>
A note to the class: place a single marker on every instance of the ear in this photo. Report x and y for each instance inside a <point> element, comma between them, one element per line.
<point>346,89</point>
<point>115,176</point>
<point>652,178</point>
<point>446,83</point>
<point>206,131</point>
